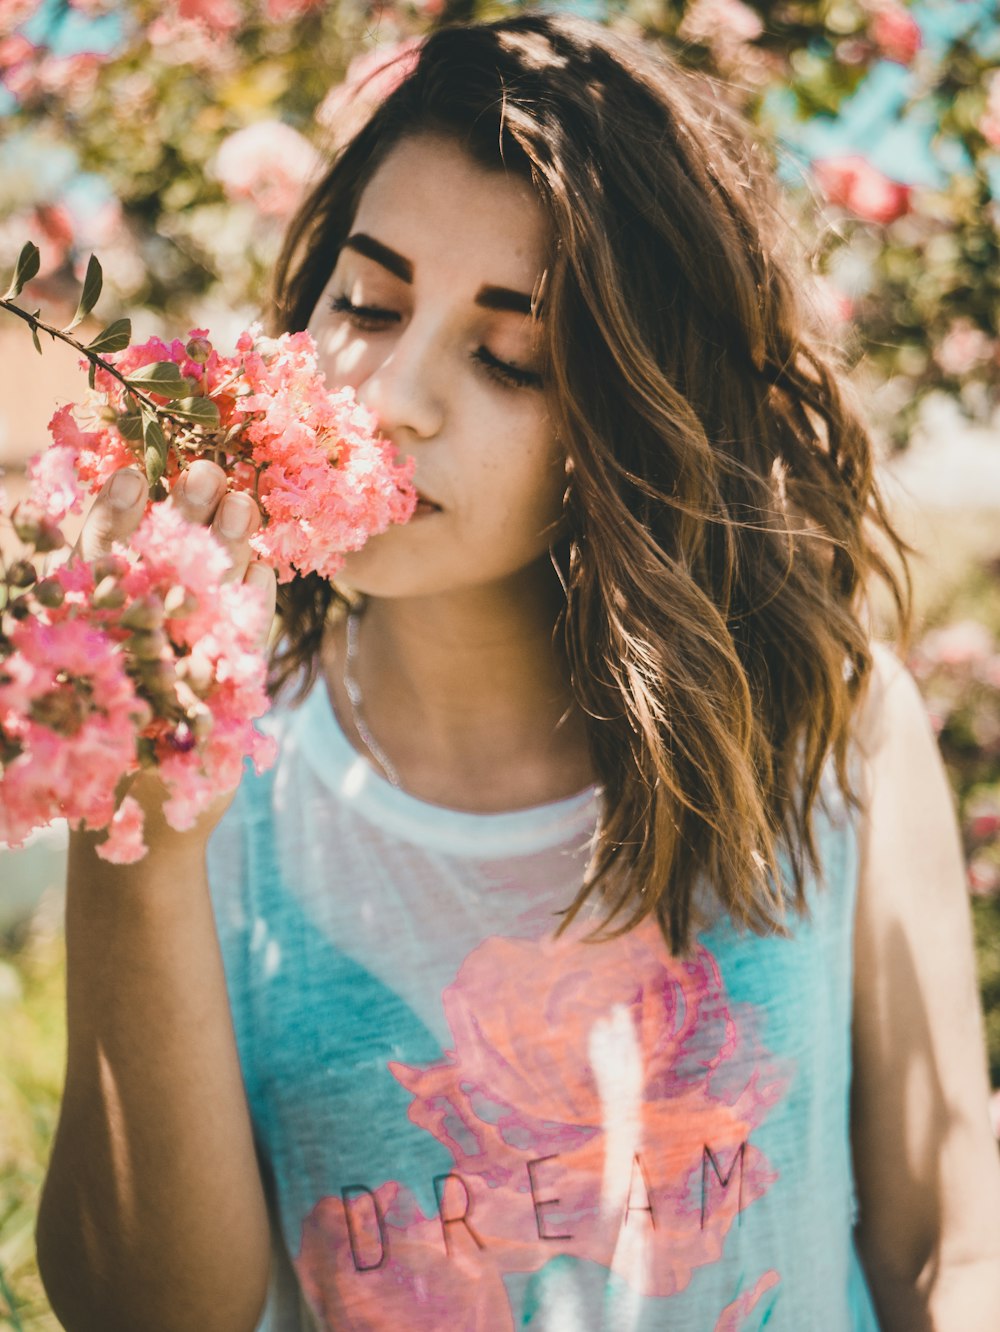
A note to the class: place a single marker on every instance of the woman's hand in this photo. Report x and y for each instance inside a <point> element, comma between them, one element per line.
<point>201,497</point>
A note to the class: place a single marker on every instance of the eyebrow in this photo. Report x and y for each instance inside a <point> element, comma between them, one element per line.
<point>489,297</point>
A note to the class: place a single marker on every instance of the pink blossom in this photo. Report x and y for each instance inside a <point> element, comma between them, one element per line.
<point>723,22</point>
<point>72,710</point>
<point>15,12</point>
<point>371,77</point>
<point>72,78</point>
<point>54,480</point>
<point>191,43</point>
<point>964,643</point>
<point>54,230</point>
<point>267,163</point>
<point>895,32</point>
<point>283,11</point>
<point>989,125</point>
<point>834,305</point>
<point>220,16</point>
<point>853,183</point>
<point>963,348</point>
<point>983,877</point>
<point>124,844</point>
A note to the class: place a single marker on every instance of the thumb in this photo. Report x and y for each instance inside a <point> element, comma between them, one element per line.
<point>115,513</point>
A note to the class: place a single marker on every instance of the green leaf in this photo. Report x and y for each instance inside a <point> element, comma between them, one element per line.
<point>163,377</point>
<point>115,337</point>
<point>34,339</point>
<point>25,269</point>
<point>92,284</point>
<point>129,426</point>
<point>156,449</point>
<point>199,411</point>
<point>91,372</point>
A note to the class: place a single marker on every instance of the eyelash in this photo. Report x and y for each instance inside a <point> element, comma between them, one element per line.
<point>369,319</point>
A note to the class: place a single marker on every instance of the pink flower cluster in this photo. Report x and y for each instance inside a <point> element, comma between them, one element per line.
<point>141,658</point>
<point>312,457</point>
<point>146,658</point>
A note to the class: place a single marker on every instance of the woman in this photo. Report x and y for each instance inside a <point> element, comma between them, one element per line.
<point>600,837</point>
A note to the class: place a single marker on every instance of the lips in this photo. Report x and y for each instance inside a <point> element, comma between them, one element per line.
<point>426,505</point>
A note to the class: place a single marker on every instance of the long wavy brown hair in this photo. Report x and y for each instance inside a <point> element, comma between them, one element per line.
<point>724,520</point>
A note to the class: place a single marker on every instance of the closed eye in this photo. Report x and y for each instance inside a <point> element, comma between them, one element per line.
<point>372,319</point>
<point>368,318</point>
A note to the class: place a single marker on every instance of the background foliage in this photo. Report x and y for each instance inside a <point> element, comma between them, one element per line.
<point>173,138</point>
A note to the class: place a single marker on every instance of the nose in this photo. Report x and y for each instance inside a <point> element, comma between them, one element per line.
<point>404,388</point>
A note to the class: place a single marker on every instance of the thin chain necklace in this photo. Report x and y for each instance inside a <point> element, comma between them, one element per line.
<point>353,692</point>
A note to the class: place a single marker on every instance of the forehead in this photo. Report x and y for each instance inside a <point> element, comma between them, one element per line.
<point>430,200</point>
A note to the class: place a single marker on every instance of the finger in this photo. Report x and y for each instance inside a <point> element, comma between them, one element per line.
<point>236,519</point>
<point>261,575</point>
<point>115,513</point>
<point>197,493</point>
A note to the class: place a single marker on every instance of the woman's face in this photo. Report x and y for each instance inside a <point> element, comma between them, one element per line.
<point>426,316</point>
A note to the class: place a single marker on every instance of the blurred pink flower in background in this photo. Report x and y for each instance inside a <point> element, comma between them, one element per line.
<point>895,32</point>
<point>853,183</point>
<point>720,21</point>
<point>279,11</point>
<point>989,125</point>
<point>267,164</point>
<point>19,66</point>
<point>15,12</point>
<point>964,643</point>
<point>369,80</point>
<point>963,348</point>
<point>218,15</point>
<point>834,305</point>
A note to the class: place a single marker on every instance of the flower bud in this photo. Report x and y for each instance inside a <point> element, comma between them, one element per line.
<point>35,528</point>
<point>61,710</point>
<point>158,676</point>
<point>199,349</point>
<point>147,644</point>
<point>19,607</point>
<point>109,566</point>
<point>50,593</point>
<point>21,574</point>
<point>179,602</point>
<point>146,613</point>
<point>196,671</point>
<point>108,594</point>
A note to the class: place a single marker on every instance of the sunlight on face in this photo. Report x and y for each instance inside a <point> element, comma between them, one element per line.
<point>427,316</point>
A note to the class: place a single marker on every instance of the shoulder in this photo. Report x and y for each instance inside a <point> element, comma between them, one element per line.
<point>928,1182</point>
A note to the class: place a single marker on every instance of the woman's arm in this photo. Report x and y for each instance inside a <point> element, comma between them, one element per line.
<point>153,1213</point>
<point>927,1166</point>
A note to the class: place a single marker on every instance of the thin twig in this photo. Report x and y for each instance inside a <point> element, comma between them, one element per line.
<point>91,356</point>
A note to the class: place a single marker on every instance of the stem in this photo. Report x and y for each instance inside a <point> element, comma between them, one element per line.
<point>93,357</point>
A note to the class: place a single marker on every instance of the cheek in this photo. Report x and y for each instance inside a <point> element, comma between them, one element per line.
<point>344,358</point>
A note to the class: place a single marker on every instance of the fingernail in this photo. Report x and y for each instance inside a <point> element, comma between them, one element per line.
<point>126,487</point>
<point>234,517</point>
<point>200,485</point>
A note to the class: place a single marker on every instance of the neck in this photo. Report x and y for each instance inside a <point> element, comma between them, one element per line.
<point>467,695</point>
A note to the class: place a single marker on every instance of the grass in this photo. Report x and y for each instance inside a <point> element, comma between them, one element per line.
<point>32,1055</point>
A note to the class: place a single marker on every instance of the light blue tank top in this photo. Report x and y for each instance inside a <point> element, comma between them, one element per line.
<point>466,1125</point>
